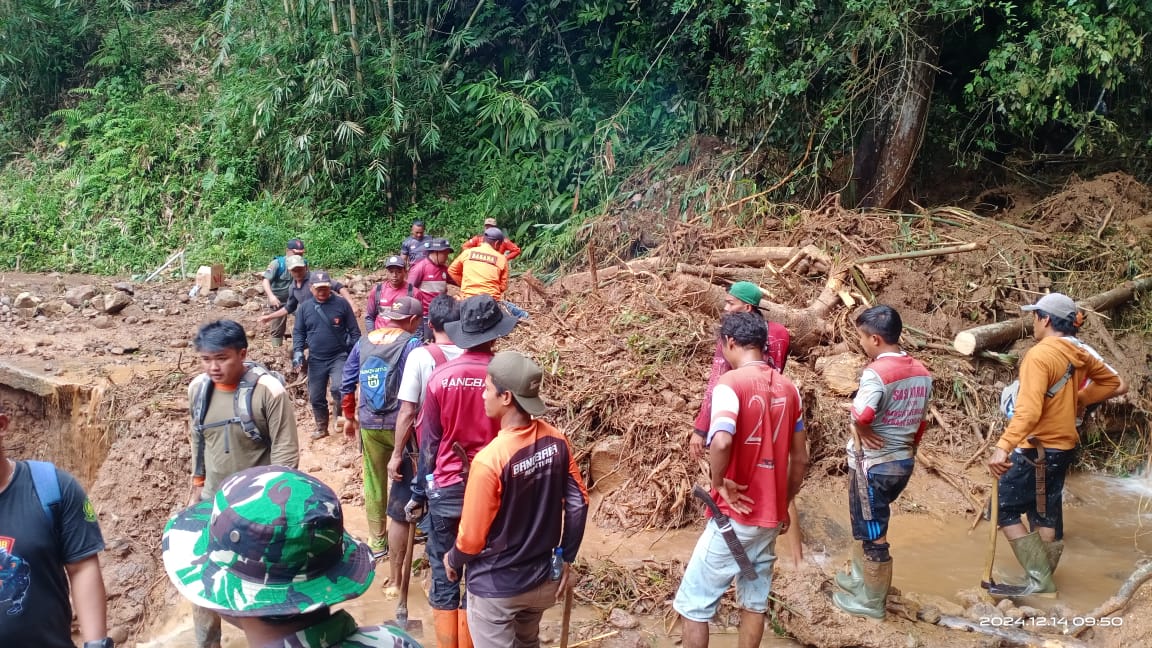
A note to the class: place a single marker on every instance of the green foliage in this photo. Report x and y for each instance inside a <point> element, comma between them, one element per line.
<point>226,126</point>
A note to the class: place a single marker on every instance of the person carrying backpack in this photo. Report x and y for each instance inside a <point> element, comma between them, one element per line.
<point>277,280</point>
<point>49,546</point>
<point>1032,456</point>
<point>382,295</point>
<point>376,364</point>
<point>242,416</point>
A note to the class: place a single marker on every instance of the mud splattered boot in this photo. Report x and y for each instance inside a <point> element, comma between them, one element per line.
<point>447,628</point>
<point>849,581</point>
<point>1033,554</point>
<point>870,597</point>
<point>1055,550</point>
<point>321,428</point>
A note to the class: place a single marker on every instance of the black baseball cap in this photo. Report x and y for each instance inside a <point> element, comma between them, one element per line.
<point>294,244</point>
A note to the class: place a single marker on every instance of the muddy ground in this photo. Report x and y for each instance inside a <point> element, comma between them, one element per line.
<point>627,359</point>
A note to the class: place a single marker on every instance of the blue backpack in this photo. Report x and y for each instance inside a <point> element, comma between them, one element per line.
<point>47,485</point>
<point>379,378</point>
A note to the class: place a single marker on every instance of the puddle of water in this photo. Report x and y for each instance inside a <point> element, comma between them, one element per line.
<point>1108,528</point>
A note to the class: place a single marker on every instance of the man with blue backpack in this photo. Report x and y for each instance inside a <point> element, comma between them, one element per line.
<point>49,546</point>
<point>277,280</point>
<point>376,365</point>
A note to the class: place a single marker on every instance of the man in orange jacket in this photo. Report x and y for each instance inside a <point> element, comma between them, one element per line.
<point>1049,396</point>
<point>506,247</point>
<point>482,270</point>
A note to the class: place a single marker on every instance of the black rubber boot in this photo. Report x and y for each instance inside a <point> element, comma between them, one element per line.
<point>870,597</point>
<point>1033,555</point>
<point>321,428</point>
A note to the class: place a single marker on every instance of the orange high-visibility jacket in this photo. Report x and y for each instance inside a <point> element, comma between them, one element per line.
<point>480,271</point>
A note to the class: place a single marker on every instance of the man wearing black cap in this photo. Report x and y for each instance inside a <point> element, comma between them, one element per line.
<point>381,296</point>
<point>412,249</point>
<point>453,413</point>
<point>524,512</point>
<point>277,279</point>
<point>376,365</point>
<point>326,326</point>
<point>482,270</point>
<point>300,289</point>
<point>506,247</point>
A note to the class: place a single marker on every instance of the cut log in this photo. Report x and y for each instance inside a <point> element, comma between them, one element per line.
<point>1004,333</point>
<point>1116,603</point>
<point>758,256</point>
<point>841,372</point>
<point>583,280</point>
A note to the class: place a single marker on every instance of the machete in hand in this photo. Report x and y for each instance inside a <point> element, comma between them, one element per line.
<point>728,533</point>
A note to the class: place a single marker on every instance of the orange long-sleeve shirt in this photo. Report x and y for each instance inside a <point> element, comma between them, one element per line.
<point>480,271</point>
<point>1053,420</point>
<point>509,249</point>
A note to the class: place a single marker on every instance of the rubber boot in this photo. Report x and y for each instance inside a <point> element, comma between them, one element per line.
<point>849,581</point>
<point>277,342</point>
<point>1055,550</point>
<point>464,639</point>
<point>447,627</point>
<point>1033,555</point>
<point>321,428</point>
<point>870,597</point>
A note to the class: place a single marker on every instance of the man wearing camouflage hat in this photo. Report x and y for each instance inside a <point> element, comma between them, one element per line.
<point>269,553</point>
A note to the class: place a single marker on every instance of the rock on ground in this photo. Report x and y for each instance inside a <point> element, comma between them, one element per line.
<point>78,296</point>
<point>227,299</point>
<point>116,302</point>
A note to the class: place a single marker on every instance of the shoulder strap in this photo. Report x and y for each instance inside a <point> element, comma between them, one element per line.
<point>281,266</point>
<point>201,394</point>
<point>1055,389</point>
<point>47,484</point>
<point>242,404</point>
<point>437,354</point>
<point>376,293</point>
<point>410,289</point>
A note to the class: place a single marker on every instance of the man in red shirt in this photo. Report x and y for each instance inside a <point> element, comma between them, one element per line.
<point>428,277</point>
<point>506,247</point>
<point>382,295</point>
<point>453,413</point>
<point>757,452</point>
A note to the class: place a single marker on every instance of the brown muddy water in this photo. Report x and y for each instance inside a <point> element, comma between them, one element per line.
<point>1108,528</point>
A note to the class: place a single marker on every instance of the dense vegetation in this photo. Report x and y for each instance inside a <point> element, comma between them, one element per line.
<point>134,128</point>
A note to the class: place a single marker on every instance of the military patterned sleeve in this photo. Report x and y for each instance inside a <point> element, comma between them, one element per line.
<point>79,529</point>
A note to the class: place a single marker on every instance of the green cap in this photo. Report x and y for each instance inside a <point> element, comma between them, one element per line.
<point>270,543</point>
<point>747,292</point>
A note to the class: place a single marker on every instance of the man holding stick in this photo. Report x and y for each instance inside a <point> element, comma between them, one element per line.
<point>1058,377</point>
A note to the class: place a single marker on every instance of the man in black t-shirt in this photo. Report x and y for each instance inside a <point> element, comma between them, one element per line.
<point>325,325</point>
<point>46,543</point>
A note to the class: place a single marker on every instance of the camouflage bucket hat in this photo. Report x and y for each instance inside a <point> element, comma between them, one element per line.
<point>271,542</point>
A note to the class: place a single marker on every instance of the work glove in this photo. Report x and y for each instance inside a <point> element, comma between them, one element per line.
<point>297,360</point>
<point>415,509</point>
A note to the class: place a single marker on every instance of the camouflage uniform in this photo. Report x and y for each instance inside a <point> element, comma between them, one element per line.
<point>340,631</point>
<point>271,542</point>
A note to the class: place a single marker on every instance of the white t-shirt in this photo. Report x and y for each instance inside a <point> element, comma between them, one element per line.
<point>418,369</point>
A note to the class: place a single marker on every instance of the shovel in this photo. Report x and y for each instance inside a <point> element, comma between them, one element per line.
<point>994,506</point>
<point>411,626</point>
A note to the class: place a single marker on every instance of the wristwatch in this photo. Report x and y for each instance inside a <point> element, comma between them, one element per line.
<point>100,643</point>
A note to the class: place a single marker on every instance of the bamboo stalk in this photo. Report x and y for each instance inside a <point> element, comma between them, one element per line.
<point>914,254</point>
<point>335,19</point>
<point>354,42</point>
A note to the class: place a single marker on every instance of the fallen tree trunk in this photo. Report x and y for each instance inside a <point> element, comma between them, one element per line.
<point>758,257</point>
<point>872,276</point>
<point>1012,636</point>
<point>1116,603</point>
<point>999,334</point>
<point>581,280</point>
